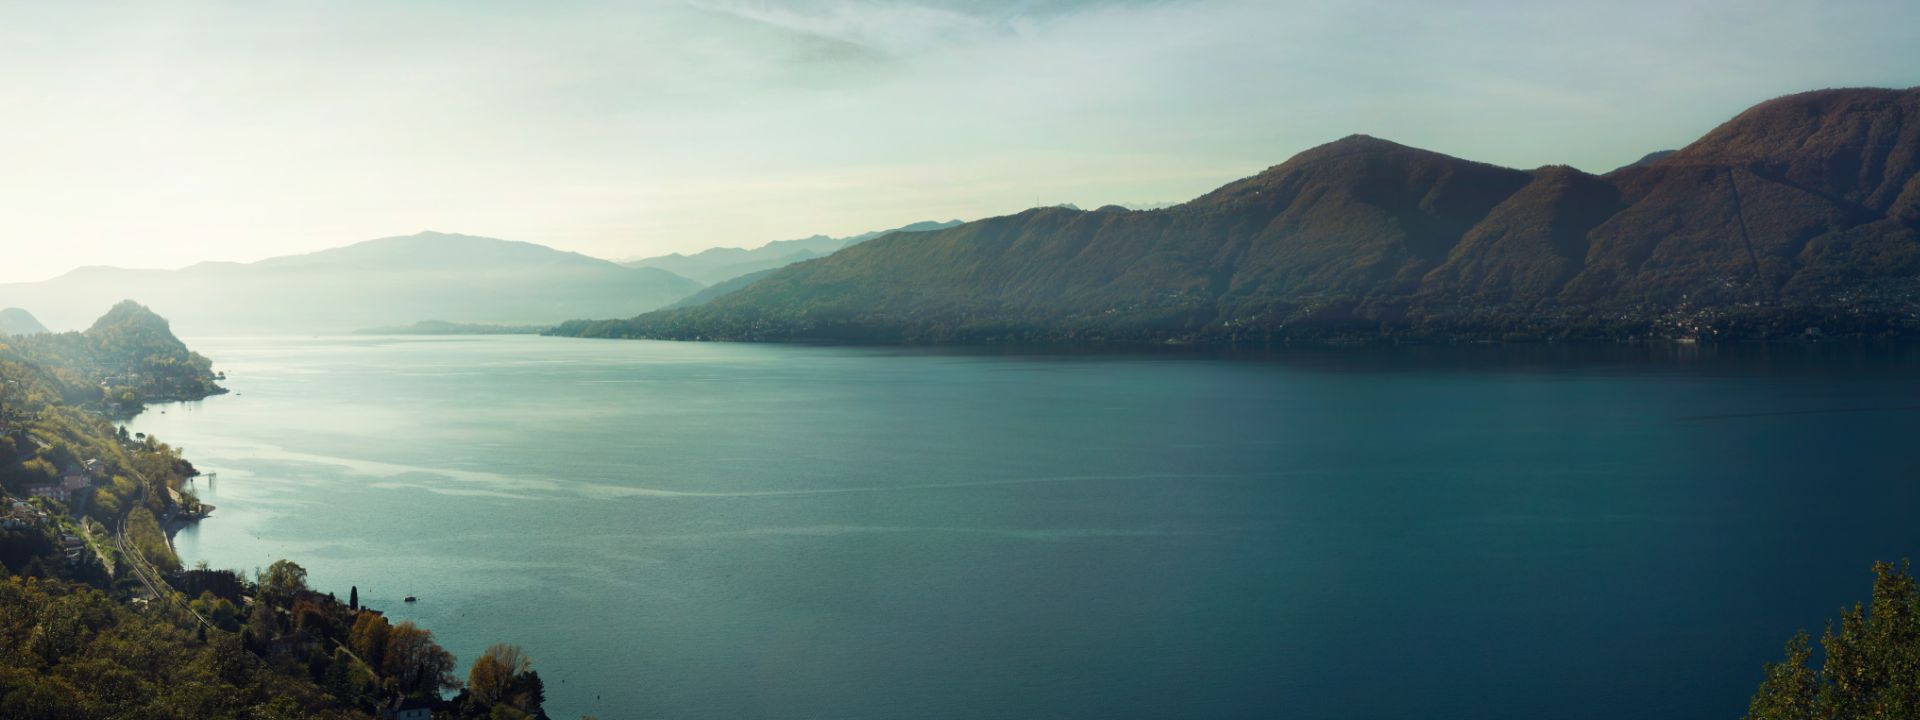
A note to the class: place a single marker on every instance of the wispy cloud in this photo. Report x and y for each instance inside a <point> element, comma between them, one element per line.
<point>889,28</point>
<point>162,133</point>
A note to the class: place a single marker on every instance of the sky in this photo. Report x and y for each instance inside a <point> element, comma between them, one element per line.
<point>160,134</point>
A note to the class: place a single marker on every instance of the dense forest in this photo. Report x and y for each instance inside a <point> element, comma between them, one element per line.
<point>58,394</point>
<point>128,358</point>
<point>99,620</point>
<point>244,648</point>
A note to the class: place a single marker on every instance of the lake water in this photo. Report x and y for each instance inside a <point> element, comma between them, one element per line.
<point>717,531</point>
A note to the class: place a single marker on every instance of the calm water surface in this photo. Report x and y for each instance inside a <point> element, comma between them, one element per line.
<point>717,531</point>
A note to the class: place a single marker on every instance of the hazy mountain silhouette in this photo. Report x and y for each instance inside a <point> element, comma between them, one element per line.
<point>1805,208</point>
<point>716,265</point>
<point>15,321</point>
<point>389,281</point>
<point>724,287</point>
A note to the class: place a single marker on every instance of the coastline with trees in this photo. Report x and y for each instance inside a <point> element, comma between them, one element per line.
<point>118,628</point>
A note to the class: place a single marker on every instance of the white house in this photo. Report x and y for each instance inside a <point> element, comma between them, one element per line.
<point>409,710</point>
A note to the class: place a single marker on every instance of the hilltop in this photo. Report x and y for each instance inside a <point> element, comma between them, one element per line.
<point>15,321</point>
<point>1798,216</point>
<point>126,359</point>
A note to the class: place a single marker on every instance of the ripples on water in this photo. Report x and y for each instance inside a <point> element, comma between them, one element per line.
<point>735,531</point>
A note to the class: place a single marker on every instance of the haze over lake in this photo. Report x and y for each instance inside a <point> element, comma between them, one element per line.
<point>684,530</point>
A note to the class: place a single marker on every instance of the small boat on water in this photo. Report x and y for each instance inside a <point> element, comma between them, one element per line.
<point>411,598</point>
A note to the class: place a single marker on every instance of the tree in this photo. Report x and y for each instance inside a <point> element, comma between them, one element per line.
<point>353,598</point>
<point>261,621</point>
<point>311,619</point>
<point>416,662</point>
<point>1872,668</point>
<point>369,638</point>
<point>1790,687</point>
<point>283,580</point>
<point>496,672</point>
<point>144,532</point>
<point>530,693</point>
<point>41,697</point>
<point>73,653</point>
<point>217,610</point>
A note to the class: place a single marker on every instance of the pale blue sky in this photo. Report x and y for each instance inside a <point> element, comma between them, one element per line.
<point>157,134</point>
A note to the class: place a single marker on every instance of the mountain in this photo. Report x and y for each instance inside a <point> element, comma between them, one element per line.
<point>389,281</point>
<point>1800,215</point>
<point>14,321</point>
<point>716,265</point>
<point>724,287</point>
<point>922,226</point>
<point>130,356</point>
<point>1650,158</point>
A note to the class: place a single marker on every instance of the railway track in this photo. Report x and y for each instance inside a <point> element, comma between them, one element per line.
<point>148,574</point>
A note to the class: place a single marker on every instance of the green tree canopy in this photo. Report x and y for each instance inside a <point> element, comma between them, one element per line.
<point>283,580</point>
<point>416,662</point>
<point>1872,668</point>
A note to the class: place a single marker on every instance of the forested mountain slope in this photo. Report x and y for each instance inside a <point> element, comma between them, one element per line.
<point>1802,212</point>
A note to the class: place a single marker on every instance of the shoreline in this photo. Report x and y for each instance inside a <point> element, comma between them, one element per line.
<point>173,525</point>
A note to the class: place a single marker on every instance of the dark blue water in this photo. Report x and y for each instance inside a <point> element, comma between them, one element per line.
<point>730,531</point>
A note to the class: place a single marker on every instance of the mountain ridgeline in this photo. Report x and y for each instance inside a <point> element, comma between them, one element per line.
<point>1799,216</point>
<point>385,282</point>
<point>715,266</point>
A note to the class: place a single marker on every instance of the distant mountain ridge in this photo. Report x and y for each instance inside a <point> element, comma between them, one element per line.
<point>1798,216</point>
<point>382,282</point>
<point>15,321</point>
<point>722,288</point>
<point>716,265</point>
